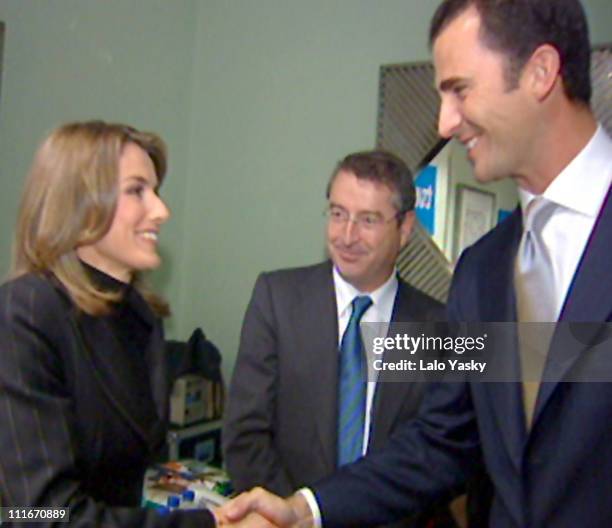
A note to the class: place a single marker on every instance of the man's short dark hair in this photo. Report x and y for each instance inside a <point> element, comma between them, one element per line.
<point>382,167</point>
<point>517,27</point>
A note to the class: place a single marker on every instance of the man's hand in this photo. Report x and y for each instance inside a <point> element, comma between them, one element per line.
<point>283,513</point>
<point>251,520</point>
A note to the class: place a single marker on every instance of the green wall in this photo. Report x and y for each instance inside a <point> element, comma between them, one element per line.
<point>121,60</point>
<point>282,90</point>
<point>257,100</point>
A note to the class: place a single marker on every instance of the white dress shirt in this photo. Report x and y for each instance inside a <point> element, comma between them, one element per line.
<point>380,311</point>
<point>578,193</point>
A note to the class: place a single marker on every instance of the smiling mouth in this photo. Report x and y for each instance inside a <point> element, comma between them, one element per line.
<point>471,143</point>
<point>349,255</point>
<point>149,235</point>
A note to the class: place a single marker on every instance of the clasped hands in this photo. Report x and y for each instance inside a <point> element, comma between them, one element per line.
<point>259,508</point>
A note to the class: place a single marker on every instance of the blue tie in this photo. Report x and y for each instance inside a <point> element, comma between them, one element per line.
<point>352,387</point>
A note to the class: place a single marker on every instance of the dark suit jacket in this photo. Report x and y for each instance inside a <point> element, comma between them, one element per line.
<point>81,416</point>
<point>281,417</point>
<point>557,474</point>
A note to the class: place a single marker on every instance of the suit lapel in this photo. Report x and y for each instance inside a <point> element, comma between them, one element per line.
<point>122,375</point>
<point>390,397</point>
<point>158,368</point>
<point>497,304</point>
<point>496,285</point>
<point>317,339</point>
<point>588,300</point>
<point>155,357</point>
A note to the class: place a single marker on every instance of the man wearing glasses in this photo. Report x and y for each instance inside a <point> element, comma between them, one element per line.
<point>293,415</point>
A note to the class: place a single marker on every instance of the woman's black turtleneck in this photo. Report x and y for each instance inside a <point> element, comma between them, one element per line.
<point>130,318</point>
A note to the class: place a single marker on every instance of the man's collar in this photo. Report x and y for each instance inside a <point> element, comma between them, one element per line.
<point>583,183</point>
<point>346,292</point>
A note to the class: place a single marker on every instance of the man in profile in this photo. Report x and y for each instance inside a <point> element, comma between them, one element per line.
<point>514,80</point>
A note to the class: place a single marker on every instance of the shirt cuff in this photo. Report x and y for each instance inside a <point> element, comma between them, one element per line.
<point>311,500</point>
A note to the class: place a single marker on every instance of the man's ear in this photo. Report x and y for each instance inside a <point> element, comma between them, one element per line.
<point>406,226</point>
<point>542,71</point>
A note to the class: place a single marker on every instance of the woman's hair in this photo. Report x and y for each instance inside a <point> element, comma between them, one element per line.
<point>69,200</point>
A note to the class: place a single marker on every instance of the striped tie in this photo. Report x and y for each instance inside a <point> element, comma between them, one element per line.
<point>352,387</point>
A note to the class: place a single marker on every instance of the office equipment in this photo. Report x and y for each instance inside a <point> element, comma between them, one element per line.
<point>191,400</point>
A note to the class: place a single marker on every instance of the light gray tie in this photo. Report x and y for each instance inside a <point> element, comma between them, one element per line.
<point>535,299</point>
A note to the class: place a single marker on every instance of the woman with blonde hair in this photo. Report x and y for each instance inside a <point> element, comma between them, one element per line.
<point>83,381</point>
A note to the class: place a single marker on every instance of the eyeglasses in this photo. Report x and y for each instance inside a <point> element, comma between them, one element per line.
<point>366,221</point>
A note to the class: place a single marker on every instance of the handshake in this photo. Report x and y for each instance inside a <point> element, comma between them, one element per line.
<point>259,508</point>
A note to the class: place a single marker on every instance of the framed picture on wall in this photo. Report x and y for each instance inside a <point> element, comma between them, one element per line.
<point>474,216</point>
